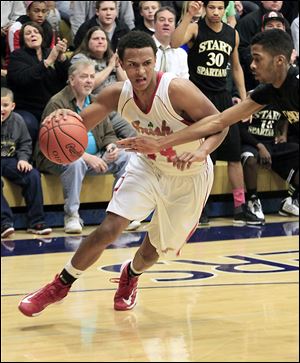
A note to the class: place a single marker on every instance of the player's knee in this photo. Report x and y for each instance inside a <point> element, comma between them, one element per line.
<point>251,161</point>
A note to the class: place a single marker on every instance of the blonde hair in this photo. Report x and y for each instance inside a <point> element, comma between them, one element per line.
<point>185,8</point>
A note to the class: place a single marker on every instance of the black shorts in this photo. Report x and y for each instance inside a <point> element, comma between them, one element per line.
<point>230,149</point>
<point>284,156</point>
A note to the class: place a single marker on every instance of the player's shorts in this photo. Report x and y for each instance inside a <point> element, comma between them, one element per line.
<point>176,202</point>
<point>285,157</point>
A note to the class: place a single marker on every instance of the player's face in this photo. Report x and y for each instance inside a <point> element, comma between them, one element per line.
<point>98,42</point>
<point>7,106</point>
<point>83,81</point>
<point>215,11</point>
<point>139,66</point>
<point>263,64</point>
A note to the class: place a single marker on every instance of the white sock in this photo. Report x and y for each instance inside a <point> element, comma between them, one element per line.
<point>73,271</point>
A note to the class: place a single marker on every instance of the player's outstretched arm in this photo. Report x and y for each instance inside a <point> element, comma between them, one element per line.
<point>204,127</point>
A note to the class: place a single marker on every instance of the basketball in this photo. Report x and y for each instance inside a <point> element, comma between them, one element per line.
<point>63,141</point>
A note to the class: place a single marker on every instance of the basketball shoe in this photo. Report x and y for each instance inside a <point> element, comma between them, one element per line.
<point>125,296</point>
<point>255,207</point>
<point>289,207</point>
<point>33,304</point>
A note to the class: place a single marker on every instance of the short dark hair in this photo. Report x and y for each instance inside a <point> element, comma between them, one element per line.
<point>98,3</point>
<point>205,3</point>
<point>135,39</point>
<point>163,8</point>
<point>275,42</point>
<point>34,25</point>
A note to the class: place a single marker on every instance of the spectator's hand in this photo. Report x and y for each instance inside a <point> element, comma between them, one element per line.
<point>24,166</point>
<point>112,153</point>
<point>113,61</point>
<point>95,163</point>
<point>293,57</point>
<point>142,144</point>
<point>185,160</point>
<point>58,51</point>
<point>195,8</point>
<point>61,112</point>
<point>280,139</point>
<point>265,159</point>
<point>61,46</point>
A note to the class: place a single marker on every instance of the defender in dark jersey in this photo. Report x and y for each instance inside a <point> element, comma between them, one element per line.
<point>213,48</point>
<point>264,143</point>
<point>271,51</point>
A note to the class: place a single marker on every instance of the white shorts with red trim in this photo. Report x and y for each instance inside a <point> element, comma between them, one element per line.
<point>176,202</point>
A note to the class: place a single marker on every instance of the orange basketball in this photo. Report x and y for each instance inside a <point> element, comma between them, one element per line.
<point>63,141</point>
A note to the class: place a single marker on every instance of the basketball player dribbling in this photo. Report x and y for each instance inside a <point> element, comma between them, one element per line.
<point>176,191</point>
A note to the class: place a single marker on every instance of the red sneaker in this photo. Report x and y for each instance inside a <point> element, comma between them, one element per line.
<point>125,297</point>
<point>34,303</point>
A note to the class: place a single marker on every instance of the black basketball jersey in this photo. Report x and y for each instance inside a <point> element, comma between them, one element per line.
<point>209,57</point>
<point>286,97</point>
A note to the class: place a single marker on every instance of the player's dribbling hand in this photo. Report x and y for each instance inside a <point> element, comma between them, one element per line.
<point>185,160</point>
<point>61,112</point>
<point>141,144</point>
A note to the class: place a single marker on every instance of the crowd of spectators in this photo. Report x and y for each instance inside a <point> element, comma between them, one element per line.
<point>44,44</point>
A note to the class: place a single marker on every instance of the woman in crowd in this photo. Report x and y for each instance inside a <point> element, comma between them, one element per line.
<point>36,73</point>
<point>96,46</point>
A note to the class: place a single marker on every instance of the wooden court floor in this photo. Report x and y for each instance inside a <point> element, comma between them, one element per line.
<point>232,296</point>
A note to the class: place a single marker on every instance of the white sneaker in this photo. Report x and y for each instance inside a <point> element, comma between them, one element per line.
<point>73,224</point>
<point>289,207</point>
<point>133,225</point>
<point>255,207</point>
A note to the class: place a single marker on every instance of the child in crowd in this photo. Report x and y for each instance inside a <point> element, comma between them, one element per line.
<point>16,150</point>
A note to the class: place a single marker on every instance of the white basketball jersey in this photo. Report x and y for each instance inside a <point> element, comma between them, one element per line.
<point>159,120</point>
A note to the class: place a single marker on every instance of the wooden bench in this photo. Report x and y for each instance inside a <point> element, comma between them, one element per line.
<point>99,188</point>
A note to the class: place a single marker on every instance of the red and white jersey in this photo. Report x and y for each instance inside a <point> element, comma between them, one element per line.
<point>159,120</point>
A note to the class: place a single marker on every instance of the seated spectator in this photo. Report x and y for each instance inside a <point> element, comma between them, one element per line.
<point>96,46</point>
<point>168,59</point>
<point>247,27</point>
<point>81,11</point>
<point>16,150</point>
<point>147,12</point>
<point>101,156</point>
<point>35,74</point>
<point>53,17</point>
<point>242,8</point>
<point>106,17</point>
<point>275,20</point>
<point>37,12</point>
<point>262,147</point>
<point>65,31</point>
<point>229,16</point>
<point>10,12</point>
<point>295,36</point>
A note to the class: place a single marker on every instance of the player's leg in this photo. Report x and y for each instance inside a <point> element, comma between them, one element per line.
<point>250,165</point>
<point>145,257</point>
<point>88,252</point>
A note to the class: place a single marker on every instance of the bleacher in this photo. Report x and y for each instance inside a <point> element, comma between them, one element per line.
<point>98,189</point>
